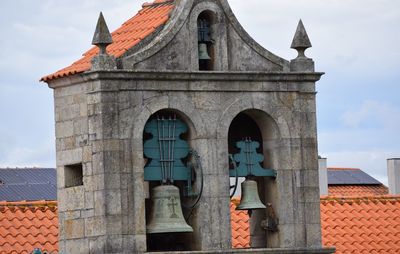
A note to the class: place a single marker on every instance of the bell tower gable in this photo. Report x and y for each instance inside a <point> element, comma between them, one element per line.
<point>178,45</point>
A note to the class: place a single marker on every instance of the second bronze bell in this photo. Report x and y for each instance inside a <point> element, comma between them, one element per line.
<point>250,199</point>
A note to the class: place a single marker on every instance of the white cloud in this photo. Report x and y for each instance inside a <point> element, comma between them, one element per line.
<point>368,138</point>
<point>383,114</point>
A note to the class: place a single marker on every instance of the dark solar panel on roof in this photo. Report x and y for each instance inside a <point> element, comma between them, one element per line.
<point>356,177</point>
<point>28,184</point>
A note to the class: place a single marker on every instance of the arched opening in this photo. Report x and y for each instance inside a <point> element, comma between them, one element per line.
<point>167,139</point>
<point>205,42</point>
<point>256,129</point>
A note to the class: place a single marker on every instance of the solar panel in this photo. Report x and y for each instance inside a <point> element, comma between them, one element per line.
<point>348,177</point>
<point>28,184</point>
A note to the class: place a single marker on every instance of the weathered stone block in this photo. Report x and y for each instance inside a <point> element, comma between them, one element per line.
<point>313,232</point>
<point>69,157</point>
<point>95,226</point>
<point>74,228</point>
<point>64,129</point>
<point>113,202</point>
<point>71,199</point>
<point>78,246</point>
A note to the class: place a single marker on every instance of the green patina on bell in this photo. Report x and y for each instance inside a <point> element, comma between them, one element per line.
<point>203,53</point>
<point>250,199</point>
<point>166,215</point>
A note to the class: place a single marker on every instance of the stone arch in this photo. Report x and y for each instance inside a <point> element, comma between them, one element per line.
<point>276,137</point>
<point>279,124</point>
<point>184,106</point>
<point>172,241</point>
<point>138,120</point>
<point>220,45</point>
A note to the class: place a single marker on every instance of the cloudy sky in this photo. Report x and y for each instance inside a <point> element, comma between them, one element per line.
<point>357,44</point>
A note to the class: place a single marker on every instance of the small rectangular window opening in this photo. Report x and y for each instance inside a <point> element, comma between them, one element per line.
<point>73,175</point>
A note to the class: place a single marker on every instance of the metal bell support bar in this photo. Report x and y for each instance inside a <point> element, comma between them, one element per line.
<point>166,142</point>
<point>165,151</point>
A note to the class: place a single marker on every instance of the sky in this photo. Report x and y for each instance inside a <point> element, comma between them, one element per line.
<point>356,43</point>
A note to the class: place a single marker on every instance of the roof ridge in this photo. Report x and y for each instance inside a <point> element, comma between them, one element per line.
<point>359,199</point>
<point>156,3</point>
<point>24,203</point>
<point>343,168</point>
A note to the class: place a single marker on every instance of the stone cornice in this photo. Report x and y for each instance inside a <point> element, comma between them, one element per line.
<point>214,76</point>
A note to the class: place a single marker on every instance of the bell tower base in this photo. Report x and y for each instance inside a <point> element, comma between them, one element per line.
<point>258,251</point>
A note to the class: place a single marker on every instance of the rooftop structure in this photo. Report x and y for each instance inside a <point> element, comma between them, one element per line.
<point>153,121</point>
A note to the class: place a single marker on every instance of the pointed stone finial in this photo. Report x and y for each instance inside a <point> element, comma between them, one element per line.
<point>102,37</point>
<point>301,42</point>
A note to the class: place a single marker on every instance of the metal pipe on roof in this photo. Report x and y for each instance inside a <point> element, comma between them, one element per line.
<point>323,176</point>
<point>393,168</point>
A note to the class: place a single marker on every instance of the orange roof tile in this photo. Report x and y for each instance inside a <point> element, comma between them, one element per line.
<point>351,224</point>
<point>357,190</point>
<point>240,227</point>
<point>146,21</point>
<point>25,226</point>
<point>361,225</point>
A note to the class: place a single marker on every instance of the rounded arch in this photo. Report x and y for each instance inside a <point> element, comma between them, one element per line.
<point>220,46</point>
<point>273,128</point>
<point>264,117</point>
<point>184,108</point>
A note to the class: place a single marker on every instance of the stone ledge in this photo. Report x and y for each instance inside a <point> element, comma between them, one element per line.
<point>221,76</point>
<point>204,75</point>
<point>258,251</point>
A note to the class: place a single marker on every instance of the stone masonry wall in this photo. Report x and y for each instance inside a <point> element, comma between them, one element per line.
<point>100,124</point>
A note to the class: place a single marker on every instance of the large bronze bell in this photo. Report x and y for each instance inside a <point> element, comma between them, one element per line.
<point>250,199</point>
<point>166,214</point>
<point>203,54</point>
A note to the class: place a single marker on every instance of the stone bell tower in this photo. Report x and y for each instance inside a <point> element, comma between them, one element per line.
<point>181,97</point>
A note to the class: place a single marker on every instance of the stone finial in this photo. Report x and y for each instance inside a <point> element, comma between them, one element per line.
<point>102,37</point>
<point>301,42</point>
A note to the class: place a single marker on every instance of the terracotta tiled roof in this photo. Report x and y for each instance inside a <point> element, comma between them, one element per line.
<point>361,225</point>
<point>351,224</point>
<point>25,226</point>
<point>146,21</point>
<point>240,227</point>
<point>357,190</point>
